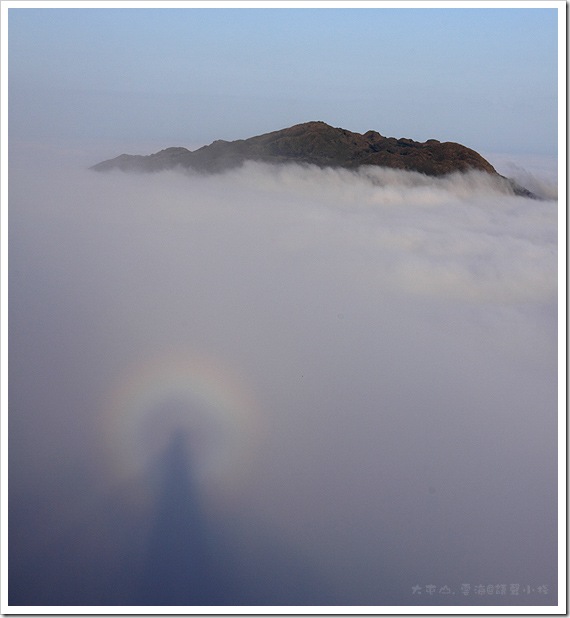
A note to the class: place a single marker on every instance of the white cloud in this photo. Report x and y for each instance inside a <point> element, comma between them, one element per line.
<point>397,333</point>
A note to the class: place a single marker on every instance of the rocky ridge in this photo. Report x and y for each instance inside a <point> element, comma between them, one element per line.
<point>316,143</point>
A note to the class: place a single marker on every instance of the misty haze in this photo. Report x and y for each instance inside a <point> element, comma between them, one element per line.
<point>281,385</point>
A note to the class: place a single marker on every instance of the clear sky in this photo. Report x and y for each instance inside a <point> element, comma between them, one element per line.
<point>484,77</point>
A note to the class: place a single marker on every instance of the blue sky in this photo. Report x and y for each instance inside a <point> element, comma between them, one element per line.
<point>151,78</point>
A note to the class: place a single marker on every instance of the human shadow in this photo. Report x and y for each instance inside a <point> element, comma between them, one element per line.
<point>178,568</point>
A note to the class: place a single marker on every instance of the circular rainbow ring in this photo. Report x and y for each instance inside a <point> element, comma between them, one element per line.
<point>172,392</point>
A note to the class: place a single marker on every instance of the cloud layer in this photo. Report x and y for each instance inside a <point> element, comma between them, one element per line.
<point>381,345</point>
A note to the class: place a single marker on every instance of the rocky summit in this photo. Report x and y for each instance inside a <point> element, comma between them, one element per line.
<point>316,143</point>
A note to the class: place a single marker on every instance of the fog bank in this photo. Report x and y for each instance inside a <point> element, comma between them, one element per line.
<point>281,385</point>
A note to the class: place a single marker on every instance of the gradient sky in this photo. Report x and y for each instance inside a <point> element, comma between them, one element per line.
<point>152,78</point>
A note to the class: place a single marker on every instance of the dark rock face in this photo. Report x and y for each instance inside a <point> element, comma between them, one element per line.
<point>315,143</point>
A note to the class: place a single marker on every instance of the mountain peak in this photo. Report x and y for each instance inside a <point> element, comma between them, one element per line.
<point>315,143</point>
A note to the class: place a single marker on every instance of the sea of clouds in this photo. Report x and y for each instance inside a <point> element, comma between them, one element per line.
<point>397,339</point>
